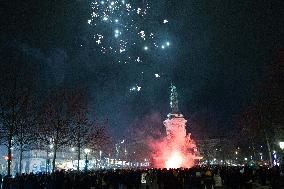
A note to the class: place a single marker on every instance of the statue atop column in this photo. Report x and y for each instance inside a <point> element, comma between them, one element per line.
<point>177,149</point>
<point>174,100</point>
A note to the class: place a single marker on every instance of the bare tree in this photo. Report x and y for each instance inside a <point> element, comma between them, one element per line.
<point>25,133</point>
<point>79,121</point>
<point>55,130</point>
<point>98,137</point>
<point>17,80</point>
<point>9,118</point>
<point>266,110</point>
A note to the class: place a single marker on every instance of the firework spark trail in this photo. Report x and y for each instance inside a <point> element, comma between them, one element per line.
<point>122,28</point>
<point>125,31</point>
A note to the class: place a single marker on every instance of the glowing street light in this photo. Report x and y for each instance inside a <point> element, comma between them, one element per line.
<point>87,151</point>
<point>281,144</point>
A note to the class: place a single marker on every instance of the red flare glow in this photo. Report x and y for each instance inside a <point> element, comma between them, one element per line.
<point>177,149</point>
<point>175,160</point>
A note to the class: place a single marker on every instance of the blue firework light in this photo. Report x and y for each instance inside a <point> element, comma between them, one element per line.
<point>124,29</point>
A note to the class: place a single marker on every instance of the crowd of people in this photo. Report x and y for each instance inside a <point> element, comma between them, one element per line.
<point>194,178</point>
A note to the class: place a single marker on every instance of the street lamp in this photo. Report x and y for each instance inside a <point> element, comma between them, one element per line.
<point>87,151</point>
<point>281,144</point>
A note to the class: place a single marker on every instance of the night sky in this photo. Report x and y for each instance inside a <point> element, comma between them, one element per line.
<point>215,53</point>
